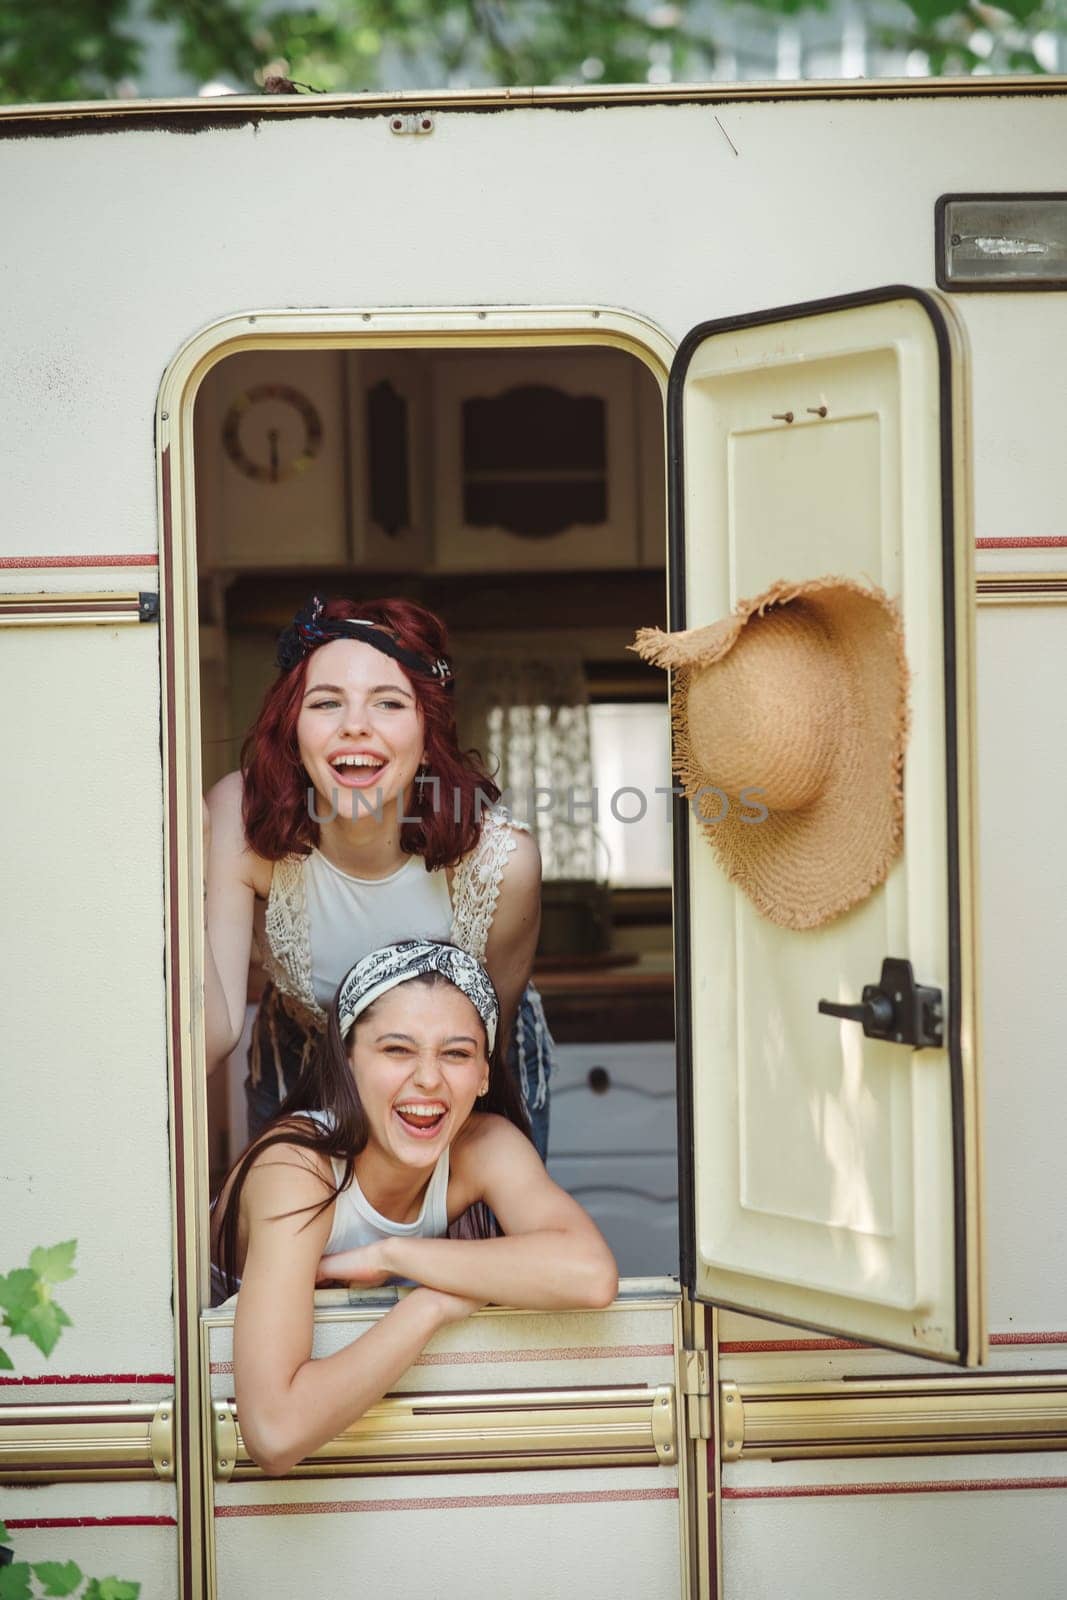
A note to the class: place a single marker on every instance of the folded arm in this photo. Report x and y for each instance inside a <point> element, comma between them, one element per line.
<point>552,1257</point>
<point>288,1403</point>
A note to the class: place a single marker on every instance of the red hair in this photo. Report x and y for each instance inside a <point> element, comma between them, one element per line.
<point>277,816</point>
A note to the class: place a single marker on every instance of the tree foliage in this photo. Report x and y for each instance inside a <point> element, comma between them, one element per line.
<point>85,49</point>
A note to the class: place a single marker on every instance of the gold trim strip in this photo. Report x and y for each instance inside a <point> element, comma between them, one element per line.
<point>492,1431</point>
<point>1022,588</point>
<point>125,1443</point>
<point>233,107</point>
<point>51,610</point>
<point>897,1416</point>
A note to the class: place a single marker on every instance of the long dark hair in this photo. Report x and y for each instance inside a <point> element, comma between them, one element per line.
<point>326,1082</point>
<point>447,816</point>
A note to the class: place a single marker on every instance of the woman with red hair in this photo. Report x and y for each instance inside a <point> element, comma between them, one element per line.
<point>354,821</point>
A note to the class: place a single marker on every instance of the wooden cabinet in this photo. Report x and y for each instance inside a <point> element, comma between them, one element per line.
<point>398,460</point>
<point>535,461</point>
<point>613,1145</point>
<point>389,489</point>
<point>271,461</point>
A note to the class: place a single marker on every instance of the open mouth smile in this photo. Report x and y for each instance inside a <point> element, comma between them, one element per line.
<point>421,1118</point>
<point>359,770</point>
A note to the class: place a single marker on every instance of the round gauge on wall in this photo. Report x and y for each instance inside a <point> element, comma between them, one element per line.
<point>272,432</point>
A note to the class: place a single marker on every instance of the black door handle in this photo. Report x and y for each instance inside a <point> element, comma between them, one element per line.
<point>896,1008</point>
<point>875,1011</point>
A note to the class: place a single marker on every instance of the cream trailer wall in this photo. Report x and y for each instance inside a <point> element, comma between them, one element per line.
<point>132,233</point>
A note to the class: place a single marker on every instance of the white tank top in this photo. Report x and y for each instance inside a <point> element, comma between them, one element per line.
<point>356,1222</point>
<point>349,917</point>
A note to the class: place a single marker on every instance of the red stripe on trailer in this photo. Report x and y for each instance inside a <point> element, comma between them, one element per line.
<point>934,1486</point>
<point>30,563</point>
<point>94,1377</point>
<point>1054,541</point>
<point>579,1352</point>
<point>454,1502</point>
<point>13,1523</point>
<point>486,1358</point>
<point>748,1347</point>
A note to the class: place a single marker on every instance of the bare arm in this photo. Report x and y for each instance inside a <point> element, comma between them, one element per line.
<point>509,951</point>
<point>229,903</point>
<point>553,1255</point>
<point>288,1403</point>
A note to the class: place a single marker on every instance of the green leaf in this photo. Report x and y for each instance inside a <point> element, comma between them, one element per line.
<point>3,1531</point>
<point>55,1264</point>
<point>41,1323</point>
<point>15,1581</point>
<point>58,1577</point>
<point>110,1589</point>
<point>6,1363</point>
<point>19,1290</point>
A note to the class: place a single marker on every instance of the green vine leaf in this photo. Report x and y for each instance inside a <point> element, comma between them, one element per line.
<point>41,1322</point>
<point>110,1589</point>
<point>6,1363</point>
<point>3,1532</point>
<point>54,1265</point>
<point>15,1581</point>
<point>58,1577</point>
<point>18,1290</point>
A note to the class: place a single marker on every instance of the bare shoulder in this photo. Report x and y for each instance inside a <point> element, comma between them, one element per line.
<point>284,1176</point>
<point>487,1140</point>
<point>522,869</point>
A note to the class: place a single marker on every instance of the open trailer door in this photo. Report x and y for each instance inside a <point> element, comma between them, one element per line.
<point>833,1171</point>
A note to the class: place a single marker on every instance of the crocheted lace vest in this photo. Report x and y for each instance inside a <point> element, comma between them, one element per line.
<point>286,953</point>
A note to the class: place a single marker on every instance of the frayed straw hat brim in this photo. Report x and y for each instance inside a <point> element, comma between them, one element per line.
<point>804,864</point>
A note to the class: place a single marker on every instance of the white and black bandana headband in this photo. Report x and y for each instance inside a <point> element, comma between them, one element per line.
<point>398,963</point>
<point>312,627</point>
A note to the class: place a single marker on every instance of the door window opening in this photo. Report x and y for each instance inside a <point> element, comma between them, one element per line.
<point>518,493</point>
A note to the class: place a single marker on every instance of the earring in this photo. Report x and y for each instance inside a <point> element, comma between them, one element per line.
<point>484,1090</point>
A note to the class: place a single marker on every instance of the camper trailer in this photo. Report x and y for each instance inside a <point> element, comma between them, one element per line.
<point>562,364</point>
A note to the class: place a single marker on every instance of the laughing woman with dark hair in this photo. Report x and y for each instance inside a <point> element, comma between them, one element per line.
<point>355,820</point>
<point>401,1121</point>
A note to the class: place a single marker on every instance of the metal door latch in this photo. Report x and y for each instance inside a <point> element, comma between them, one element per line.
<point>896,1008</point>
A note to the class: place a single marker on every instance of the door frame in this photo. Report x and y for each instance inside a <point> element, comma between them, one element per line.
<point>449,327</point>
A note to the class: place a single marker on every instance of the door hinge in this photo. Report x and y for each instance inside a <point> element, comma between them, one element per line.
<point>731,1421</point>
<point>148,606</point>
<point>696,1386</point>
<point>224,1439</point>
<point>161,1440</point>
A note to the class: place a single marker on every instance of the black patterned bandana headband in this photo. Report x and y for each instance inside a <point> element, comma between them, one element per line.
<point>399,963</point>
<point>311,627</point>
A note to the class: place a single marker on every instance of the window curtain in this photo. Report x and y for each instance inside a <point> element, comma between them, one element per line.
<point>530,721</point>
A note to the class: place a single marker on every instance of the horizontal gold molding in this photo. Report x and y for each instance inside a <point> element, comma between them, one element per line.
<point>499,1431</point>
<point>51,610</point>
<point>896,1416</point>
<point>1022,588</point>
<point>229,108</point>
<point>87,1443</point>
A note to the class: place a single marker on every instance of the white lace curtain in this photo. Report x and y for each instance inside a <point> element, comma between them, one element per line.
<point>530,720</point>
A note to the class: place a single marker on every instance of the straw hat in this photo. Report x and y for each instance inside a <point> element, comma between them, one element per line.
<point>801,694</point>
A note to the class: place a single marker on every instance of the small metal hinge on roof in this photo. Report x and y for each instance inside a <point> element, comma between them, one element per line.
<point>411,122</point>
<point>148,606</point>
<point>696,1386</point>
